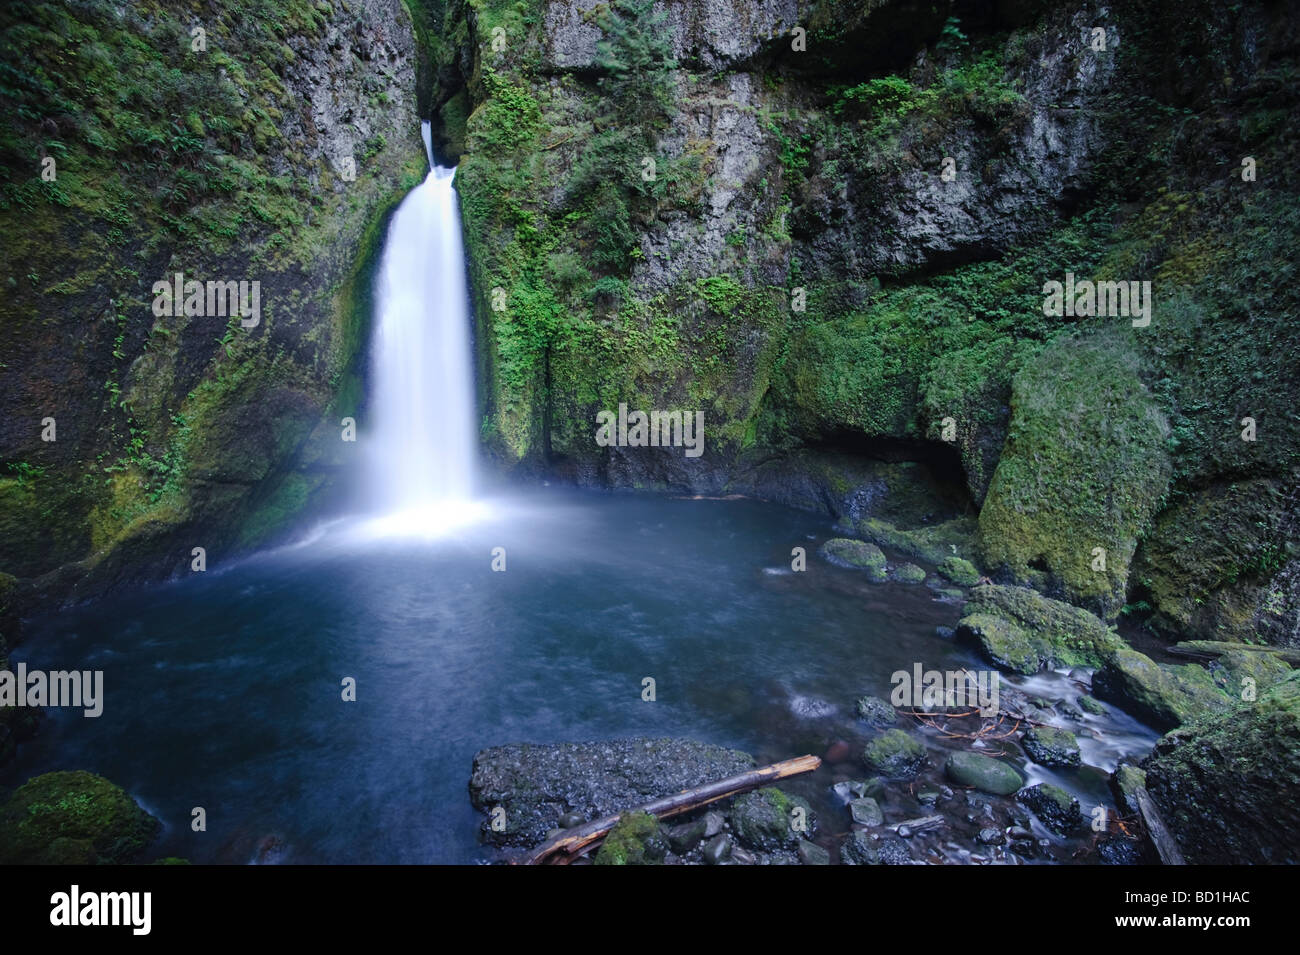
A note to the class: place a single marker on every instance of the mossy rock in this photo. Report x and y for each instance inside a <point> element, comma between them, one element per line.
<point>1085,466</point>
<point>1024,632</point>
<point>766,819</point>
<point>908,574</point>
<point>982,772</point>
<point>1125,783</point>
<point>1224,785</point>
<point>636,839</point>
<point>1055,808</point>
<point>876,712</point>
<point>1163,696</point>
<point>1090,705</point>
<point>1205,564</point>
<point>1049,746</point>
<point>932,543</point>
<point>894,754</point>
<point>73,817</point>
<point>856,554</point>
<point>959,571</point>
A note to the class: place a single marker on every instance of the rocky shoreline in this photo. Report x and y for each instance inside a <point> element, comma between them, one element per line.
<point>1230,747</point>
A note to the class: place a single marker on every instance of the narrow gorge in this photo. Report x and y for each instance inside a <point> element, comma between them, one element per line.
<point>443,425</point>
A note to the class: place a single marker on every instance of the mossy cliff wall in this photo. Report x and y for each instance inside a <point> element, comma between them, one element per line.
<point>266,147</point>
<point>747,209</point>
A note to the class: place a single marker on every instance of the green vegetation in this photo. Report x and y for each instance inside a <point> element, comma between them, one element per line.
<point>73,818</point>
<point>1085,469</point>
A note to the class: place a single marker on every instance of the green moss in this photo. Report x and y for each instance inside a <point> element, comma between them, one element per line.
<point>636,839</point>
<point>1162,695</point>
<point>1237,765</point>
<point>894,754</point>
<point>959,571</point>
<point>1022,631</point>
<point>73,817</point>
<point>933,543</point>
<point>856,554</point>
<point>1085,466</point>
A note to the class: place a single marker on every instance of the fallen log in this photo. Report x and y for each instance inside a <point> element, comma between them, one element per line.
<point>1165,845</point>
<point>568,844</point>
<point>1213,649</point>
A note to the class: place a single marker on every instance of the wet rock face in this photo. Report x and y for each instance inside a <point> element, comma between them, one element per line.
<point>769,178</point>
<point>1224,785</point>
<point>537,784</point>
<point>287,143</point>
<point>713,34</point>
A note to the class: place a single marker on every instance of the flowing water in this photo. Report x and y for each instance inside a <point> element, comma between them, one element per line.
<point>421,450</point>
<point>224,690</point>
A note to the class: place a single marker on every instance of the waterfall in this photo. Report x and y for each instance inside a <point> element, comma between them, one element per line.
<point>422,442</point>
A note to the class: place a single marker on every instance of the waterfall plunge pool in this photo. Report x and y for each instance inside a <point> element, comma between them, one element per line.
<point>223,689</point>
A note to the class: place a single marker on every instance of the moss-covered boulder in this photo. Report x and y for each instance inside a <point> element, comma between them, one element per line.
<point>983,773</point>
<point>932,543</point>
<point>73,818</point>
<point>636,839</point>
<point>894,754</point>
<point>959,571</point>
<point>771,819</point>
<point>1055,808</point>
<point>1207,564</point>
<point>856,554</point>
<point>908,574</point>
<point>1162,695</point>
<point>1225,784</point>
<point>1049,746</point>
<point>1125,783</point>
<point>1082,473</point>
<point>1022,631</point>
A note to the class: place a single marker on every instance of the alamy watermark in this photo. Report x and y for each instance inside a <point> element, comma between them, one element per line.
<point>1088,298</point>
<point>658,429</point>
<point>935,689</point>
<point>179,297</point>
<point>76,688</point>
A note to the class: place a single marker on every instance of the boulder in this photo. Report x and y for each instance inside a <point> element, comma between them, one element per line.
<point>959,571</point>
<point>73,818</point>
<point>876,712</point>
<point>984,773</point>
<point>765,819</point>
<point>1225,784</point>
<point>856,554</point>
<point>1049,746</point>
<point>1024,632</point>
<point>894,754</point>
<point>1055,808</point>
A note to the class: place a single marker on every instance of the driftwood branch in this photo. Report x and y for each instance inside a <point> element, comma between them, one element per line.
<point>919,824</point>
<point>565,846</point>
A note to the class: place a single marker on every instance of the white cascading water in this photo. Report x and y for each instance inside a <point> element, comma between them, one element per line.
<point>422,442</point>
